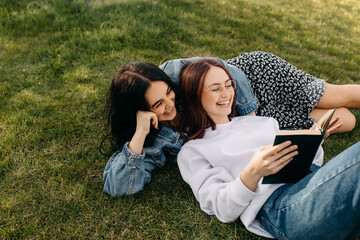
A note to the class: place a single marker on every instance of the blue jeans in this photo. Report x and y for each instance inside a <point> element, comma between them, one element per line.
<point>323,205</point>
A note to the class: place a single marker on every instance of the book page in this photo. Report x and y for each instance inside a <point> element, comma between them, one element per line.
<point>325,120</point>
<point>300,132</point>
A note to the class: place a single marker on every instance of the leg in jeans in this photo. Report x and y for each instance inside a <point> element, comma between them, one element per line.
<point>323,205</point>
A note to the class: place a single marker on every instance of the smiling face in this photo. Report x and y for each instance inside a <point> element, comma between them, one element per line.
<point>161,99</point>
<point>218,95</point>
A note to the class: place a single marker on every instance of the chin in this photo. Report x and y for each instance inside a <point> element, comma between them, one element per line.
<point>168,118</point>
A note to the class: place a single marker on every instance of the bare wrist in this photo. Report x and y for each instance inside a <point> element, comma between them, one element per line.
<point>136,144</point>
<point>250,179</point>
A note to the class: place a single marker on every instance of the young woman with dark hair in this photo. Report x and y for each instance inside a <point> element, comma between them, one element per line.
<point>228,156</point>
<point>127,97</point>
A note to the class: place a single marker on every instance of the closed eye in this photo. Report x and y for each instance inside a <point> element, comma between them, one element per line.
<point>158,104</point>
<point>229,83</point>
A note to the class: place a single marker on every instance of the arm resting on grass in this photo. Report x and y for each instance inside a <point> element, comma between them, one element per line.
<point>126,173</point>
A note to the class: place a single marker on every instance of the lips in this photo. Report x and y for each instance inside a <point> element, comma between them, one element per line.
<point>169,112</point>
<point>223,103</point>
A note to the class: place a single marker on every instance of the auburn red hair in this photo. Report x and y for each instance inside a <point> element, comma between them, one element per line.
<point>194,117</point>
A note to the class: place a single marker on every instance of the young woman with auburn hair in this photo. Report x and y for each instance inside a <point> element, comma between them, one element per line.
<point>195,127</point>
<point>228,156</point>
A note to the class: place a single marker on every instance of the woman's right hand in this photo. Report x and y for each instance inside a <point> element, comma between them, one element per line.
<point>266,161</point>
<point>143,121</point>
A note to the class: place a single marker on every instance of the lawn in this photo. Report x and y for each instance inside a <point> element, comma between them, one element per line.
<point>56,62</point>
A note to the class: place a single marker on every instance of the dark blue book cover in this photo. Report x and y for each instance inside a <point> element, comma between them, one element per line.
<point>308,142</point>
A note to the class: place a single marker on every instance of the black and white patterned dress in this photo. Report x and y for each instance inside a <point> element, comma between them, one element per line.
<point>285,92</point>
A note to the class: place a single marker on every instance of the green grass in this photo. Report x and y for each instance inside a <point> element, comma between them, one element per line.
<point>56,61</point>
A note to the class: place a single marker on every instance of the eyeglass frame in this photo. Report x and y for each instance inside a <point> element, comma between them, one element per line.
<point>223,88</point>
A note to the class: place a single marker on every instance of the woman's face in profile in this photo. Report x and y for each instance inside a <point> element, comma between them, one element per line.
<point>161,99</point>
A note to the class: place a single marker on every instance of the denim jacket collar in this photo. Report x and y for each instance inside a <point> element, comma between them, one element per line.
<point>166,136</point>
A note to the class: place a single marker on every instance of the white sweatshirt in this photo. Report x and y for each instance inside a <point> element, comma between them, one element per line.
<point>212,167</point>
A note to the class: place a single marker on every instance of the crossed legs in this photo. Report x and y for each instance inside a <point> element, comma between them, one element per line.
<point>342,97</point>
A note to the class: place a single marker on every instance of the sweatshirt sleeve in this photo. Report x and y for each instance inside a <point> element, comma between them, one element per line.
<point>126,172</point>
<point>319,157</point>
<point>214,188</point>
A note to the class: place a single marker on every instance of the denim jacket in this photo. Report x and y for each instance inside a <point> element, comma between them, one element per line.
<point>126,172</point>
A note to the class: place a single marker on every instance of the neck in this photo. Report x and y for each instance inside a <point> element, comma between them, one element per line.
<point>221,120</point>
<point>172,123</point>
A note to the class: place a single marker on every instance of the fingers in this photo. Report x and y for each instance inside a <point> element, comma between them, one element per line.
<point>144,118</point>
<point>332,128</point>
<point>333,121</point>
<point>281,153</point>
<point>289,151</point>
<point>272,150</point>
<point>150,116</point>
<point>334,124</point>
<point>281,164</point>
<point>335,128</point>
<point>282,146</point>
<point>270,159</point>
<point>285,159</point>
<point>154,121</point>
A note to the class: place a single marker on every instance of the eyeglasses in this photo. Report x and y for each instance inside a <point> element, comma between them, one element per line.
<point>217,90</point>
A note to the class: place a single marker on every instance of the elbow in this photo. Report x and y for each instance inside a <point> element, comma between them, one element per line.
<point>222,214</point>
<point>227,219</point>
<point>117,187</point>
<point>113,188</point>
<point>115,191</point>
<point>227,216</point>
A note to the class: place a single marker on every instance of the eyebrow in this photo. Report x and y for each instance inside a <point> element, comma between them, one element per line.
<point>158,101</point>
<point>219,83</point>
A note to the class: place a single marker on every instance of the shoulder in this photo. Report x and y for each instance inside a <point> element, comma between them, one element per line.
<point>253,118</point>
<point>166,140</point>
<point>192,147</point>
<point>256,120</point>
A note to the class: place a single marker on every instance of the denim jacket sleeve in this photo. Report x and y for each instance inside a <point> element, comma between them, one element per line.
<point>126,172</point>
<point>246,101</point>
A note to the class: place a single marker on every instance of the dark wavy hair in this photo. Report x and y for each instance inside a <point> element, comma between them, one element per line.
<point>194,117</point>
<point>126,96</point>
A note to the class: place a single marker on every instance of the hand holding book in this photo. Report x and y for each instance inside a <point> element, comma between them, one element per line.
<point>334,125</point>
<point>308,142</point>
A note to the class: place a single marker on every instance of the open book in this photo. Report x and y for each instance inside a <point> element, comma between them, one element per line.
<point>308,142</point>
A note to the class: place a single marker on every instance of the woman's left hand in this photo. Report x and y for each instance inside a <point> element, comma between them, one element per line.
<point>333,127</point>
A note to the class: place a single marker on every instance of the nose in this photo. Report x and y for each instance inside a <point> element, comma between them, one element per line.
<point>224,92</point>
<point>169,102</point>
